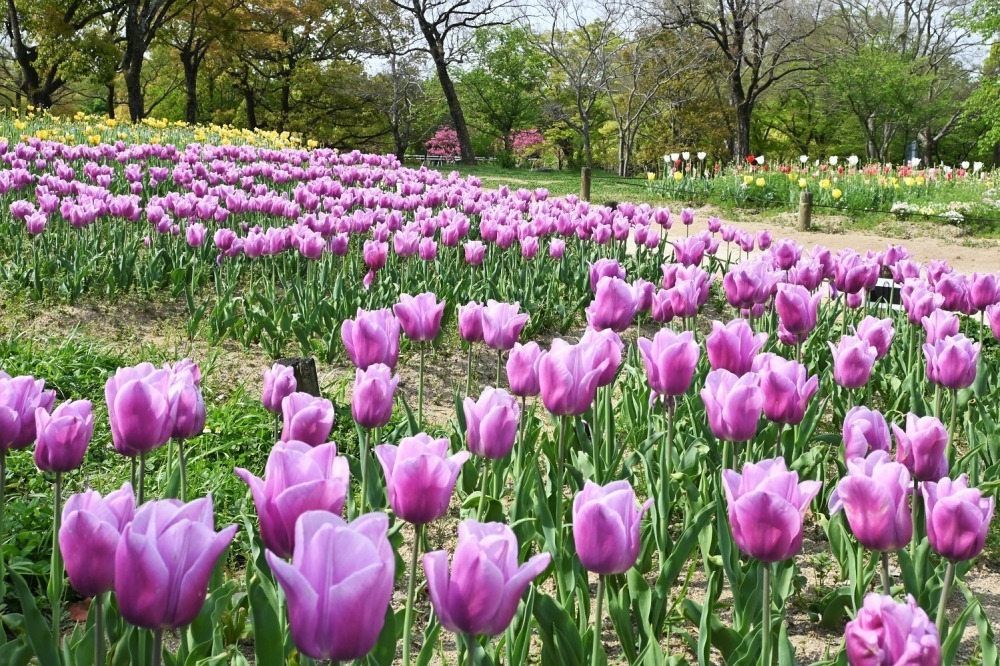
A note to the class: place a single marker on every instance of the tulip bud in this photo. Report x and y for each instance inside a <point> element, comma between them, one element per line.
<point>63,436</point>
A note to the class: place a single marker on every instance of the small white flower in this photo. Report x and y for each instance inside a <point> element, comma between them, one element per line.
<point>702,155</point>
<point>853,160</point>
<point>965,164</point>
<point>686,155</point>
<point>833,160</point>
<point>760,159</point>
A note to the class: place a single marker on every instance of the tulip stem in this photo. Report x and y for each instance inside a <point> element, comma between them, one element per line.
<point>277,428</point>
<point>420,388</point>
<point>937,401</point>
<point>142,477</point>
<point>180,461</point>
<point>666,464</point>
<point>886,580</point>
<point>56,570</point>
<point>916,522</point>
<point>557,518</point>
<point>765,629</point>
<point>99,649</point>
<point>609,427</point>
<point>951,428</point>
<point>157,646</point>
<point>598,623</point>
<point>499,365</point>
<point>942,613</point>
<point>468,372</point>
<point>411,588</point>
<point>519,454</point>
<point>470,652</point>
<point>3,532</point>
<point>481,509</point>
<point>364,471</point>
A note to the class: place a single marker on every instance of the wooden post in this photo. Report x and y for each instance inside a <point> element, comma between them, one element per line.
<point>306,379</point>
<point>585,183</point>
<point>805,210</point>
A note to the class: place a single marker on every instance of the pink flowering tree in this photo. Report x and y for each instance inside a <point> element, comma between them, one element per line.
<point>444,143</point>
<point>526,143</point>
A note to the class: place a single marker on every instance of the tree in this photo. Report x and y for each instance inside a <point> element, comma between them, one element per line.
<point>143,21</point>
<point>581,43</point>
<point>761,40</point>
<point>396,93</point>
<point>503,90</point>
<point>442,22</point>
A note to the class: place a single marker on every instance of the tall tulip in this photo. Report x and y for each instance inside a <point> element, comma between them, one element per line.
<point>875,498</point>
<point>372,337</point>
<point>865,430</point>
<point>479,596</point>
<point>606,534</point>
<point>306,418</point>
<point>670,360</point>
<point>279,382</point>
<point>797,309</point>
<point>89,533</point>
<point>614,306</point>
<point>338,584</point>
<point>733,405</point>
<point>921,447</point>
<point>522,369</point>
<point>767,505</point>
<point>887,632</point>
<point>63,436</point>
<point>787,389</point>
<point>958,520</point>
<point>163,562</point>
<point>733,346</point>
<point>470,329</point>
<point>853,360</point>
<point>297,478</point>
<point>420,318</point>
<point>951,361</point>
<point>502,326</point>
<point>879,333</point>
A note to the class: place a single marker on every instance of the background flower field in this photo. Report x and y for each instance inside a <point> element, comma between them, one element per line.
<point>159,242</point>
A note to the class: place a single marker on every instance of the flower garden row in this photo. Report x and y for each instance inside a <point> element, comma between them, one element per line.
<point>720,434</point>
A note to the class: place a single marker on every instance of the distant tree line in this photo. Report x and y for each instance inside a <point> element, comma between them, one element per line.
<point>616,83</point>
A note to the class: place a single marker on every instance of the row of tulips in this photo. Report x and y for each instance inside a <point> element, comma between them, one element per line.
<point>766,503</point>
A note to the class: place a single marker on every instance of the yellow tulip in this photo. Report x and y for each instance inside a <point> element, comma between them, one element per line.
<point>678,176</point>
<point>747,180</point>
<point>920,180</point>
<point>825,183</point>
<point>802,183</point>
<point>650,175</point>
<point>761,182</point>
<point>836,193</point>
<point>909,181</point>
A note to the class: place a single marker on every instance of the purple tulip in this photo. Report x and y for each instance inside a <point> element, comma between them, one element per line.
<point>951,361</point>
<point>375,254</point>
<point>522,369</point>
<point>604,345</point>
<point>279,383</point>
<point>921,447</point>
<point>670,360</point>
<point>879,333</point>
<point>984,291</point>
<point>875,498</point>
<point>428,249</point>
<point>787,390</point>
<point>475,252</point>
<point>767,505</point>
<point>614,306</point>
<point>371,401</point>
<point>993,319</point>
<point>865,430</point>
<point>338,585</point>
<point>297,478</point>
<point>479,596</point>
<point>887,633</point>
<point>568,376</point>
<point>958,518</point>
<point>372,337</point>
<point>63,436</point>
<point>644,291</point>
<point>852,272</point>
<point>420,477</point>
<point>557,248</point>
<point>139,408</point>
<point>919,301</point>
<point>20,397</point>
<point>604,268</point>
<point>733,405</point>
<point>306,418</point>
<point>733,346</point>
<point>797,308</point>
<point>164,560</point>
<point>491,423</point>
<point>419,316</point>
<point>939,325</point>
<point>470,322</point>
<point>606,527</point>
<point>502,324</point>
<point>853,360</point>
<point>786,253</point>
<point>89,534</point>
<point>187,405</point>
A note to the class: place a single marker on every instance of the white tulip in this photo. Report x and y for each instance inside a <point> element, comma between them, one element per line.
<point>976,166</point>
<point>674,157</point>
<point>803,158</point>
<point>686,155</point>
<point>853,160</point>
<point>760,159</point>
<point>915,162</point>
<point>833,160</point>
<point>702,155</point>
<point>965,164</point>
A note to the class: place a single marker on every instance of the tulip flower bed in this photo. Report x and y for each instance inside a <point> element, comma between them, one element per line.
<point>963,195</point>
<point>721,411</point>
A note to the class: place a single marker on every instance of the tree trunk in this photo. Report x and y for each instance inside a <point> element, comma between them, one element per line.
<point>135,50</point>
<point>741,140</point>
<point>622,155</point>
<point>190,62</point>
<point>133,88</point>
<point>450,95</point>
<point>111,101</point>
<point>251,104</point>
